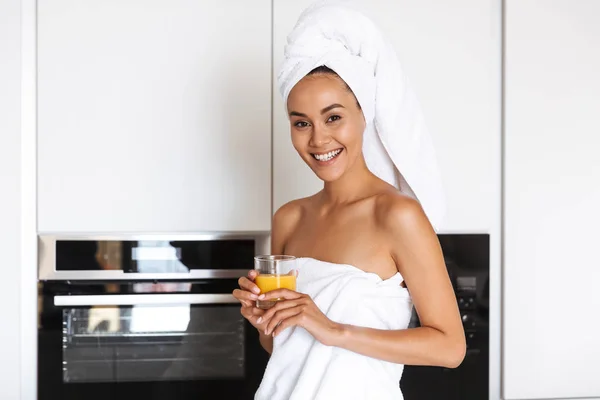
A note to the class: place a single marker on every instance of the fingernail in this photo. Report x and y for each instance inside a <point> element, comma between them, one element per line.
<point>256,290</point>
<point>259,320</point>
<point>253,296</point>
<point>266,333</point>
<point>273,334</point>
<point>262,296</point>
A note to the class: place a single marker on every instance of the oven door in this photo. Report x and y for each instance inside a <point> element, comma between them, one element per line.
<point>169,340</point>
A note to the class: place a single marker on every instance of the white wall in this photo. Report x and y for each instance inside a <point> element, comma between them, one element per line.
<point>10,162</point>
<point>552,199</point>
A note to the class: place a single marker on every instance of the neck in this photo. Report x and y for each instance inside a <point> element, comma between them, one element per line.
<point>350,186</point>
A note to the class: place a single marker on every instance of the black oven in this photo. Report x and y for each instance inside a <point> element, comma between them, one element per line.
<point>467,259</point>
<point>147,317</point>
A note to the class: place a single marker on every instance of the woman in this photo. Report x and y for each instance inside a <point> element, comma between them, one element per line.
<point>367,250</point>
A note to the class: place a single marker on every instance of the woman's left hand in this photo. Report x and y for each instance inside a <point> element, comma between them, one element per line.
<point>298,309</point>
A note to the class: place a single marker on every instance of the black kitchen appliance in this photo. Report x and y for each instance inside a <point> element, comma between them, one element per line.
<point>467,260</point>
<point>146,317</point>
<point>153,317</point>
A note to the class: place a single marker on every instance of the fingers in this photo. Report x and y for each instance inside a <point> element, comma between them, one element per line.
<point>247,284</point>
<point>250,312</point>
<point>286,323</point>
<point>247,312</point>
<point>280,305</point>
<point>280,316</point>
<point>281,294</point>
<point>244,295</point>
<point>253,314</point>
<point>249,291</point>
<point>246,303</point>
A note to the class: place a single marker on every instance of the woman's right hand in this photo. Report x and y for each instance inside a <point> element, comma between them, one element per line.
<point>247,295</point>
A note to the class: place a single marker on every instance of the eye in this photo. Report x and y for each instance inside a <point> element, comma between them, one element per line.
<point>334,118</point>
<point>301,124</point>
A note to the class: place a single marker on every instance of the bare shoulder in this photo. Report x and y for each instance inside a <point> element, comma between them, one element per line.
<point>399,215</point>
<point>409,237</point>
<point>285,221</point>
<point>289,214</point>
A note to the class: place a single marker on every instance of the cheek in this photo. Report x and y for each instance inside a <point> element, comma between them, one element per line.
<point>299,141</point>
<point>351,136</point>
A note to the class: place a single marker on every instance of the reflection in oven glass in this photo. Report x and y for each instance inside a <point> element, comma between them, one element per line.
<point>150,343</point>
<point>159,319</point>
<point>153,256</point>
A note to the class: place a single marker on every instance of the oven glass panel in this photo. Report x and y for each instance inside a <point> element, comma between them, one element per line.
<point>152,343</point>
<point>154,256</point>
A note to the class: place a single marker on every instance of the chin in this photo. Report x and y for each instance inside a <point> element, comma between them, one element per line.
<point>327,176</point>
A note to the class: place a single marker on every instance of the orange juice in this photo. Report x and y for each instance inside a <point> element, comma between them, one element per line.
<point>268,282</point>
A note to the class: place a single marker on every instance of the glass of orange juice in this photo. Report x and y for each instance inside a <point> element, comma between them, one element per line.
<point>274,272</point>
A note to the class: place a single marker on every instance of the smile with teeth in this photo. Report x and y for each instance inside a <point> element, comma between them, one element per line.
<point>327,156</point>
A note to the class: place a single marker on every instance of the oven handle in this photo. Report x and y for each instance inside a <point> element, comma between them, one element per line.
<point>143,299</point>
<point>119,275</point>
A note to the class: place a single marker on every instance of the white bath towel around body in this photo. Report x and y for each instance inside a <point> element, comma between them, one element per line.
<point>301,368</point>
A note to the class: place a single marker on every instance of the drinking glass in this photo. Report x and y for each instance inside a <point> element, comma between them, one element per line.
<point>274,272</point>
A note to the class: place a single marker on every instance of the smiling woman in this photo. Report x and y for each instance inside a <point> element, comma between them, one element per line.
<point>366,246</point>
<point>327,124</point>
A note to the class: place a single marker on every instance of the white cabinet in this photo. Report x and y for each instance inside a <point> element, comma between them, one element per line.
<point>450,50</point>
<point>552,200</point>
<point>154,115</point>
<point>11,334</point>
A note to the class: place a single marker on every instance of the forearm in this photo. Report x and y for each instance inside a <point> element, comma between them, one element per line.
<point>416,346</point>
<point>266,342</point>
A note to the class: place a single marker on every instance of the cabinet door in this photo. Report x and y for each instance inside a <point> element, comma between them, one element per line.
<point>552,198</point>
<point>451,54</point>
<point>12,204</point>
<point>154,115</point>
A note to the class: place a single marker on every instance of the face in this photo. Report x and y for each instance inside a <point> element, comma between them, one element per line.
<point>327,125</point>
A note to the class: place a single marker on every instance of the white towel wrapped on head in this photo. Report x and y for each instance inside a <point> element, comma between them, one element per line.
<point>396,146</point>
<point>301,368</point>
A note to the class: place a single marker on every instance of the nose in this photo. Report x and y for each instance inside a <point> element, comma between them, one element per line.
<point>319,137</point>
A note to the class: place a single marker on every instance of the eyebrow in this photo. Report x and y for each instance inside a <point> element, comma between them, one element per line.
<point>323,111</point>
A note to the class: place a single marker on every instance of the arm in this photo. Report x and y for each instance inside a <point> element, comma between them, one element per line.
<point>284,221</point>
<point>440,341</point>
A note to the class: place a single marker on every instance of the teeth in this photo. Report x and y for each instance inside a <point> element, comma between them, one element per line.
<point>327,156</point>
